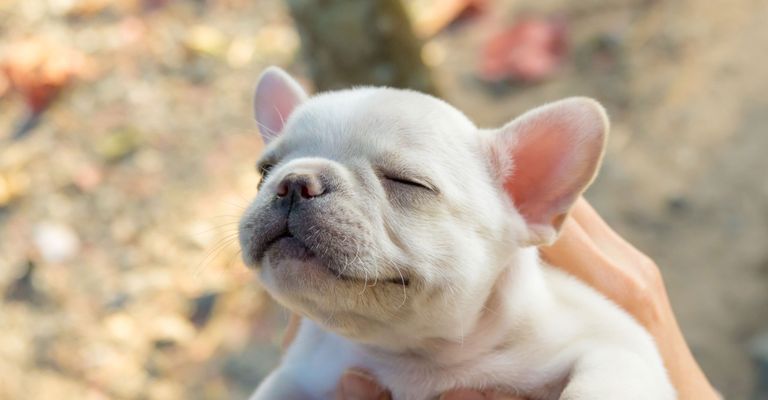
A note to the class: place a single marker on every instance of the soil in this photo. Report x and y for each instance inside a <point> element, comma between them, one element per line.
<point>119,273</point>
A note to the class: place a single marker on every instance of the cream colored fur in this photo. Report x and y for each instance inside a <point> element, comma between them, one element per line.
<point>438,286</point>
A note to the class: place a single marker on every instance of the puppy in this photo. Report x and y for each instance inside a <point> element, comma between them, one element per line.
<point>407,237</point>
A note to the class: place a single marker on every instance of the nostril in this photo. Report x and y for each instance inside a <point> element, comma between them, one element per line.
<point>305,192</point>
<point>302,186</point>
<point>282,189</point>
<point>312,188</point>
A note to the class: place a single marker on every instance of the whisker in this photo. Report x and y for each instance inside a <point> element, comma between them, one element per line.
<point>279,114</point>
<point>239,206</point>
<point>235,217</point>
<point>232,258</point>
<point>214,252</point>
<point>216,227</point>
<point>266,132</point>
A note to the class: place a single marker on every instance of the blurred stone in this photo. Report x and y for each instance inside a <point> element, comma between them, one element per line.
<point>240,52</point>
<point>83,8</point>
<point>44,354</point>
<point>119,144</point>
<point>120,326</point>
<point>27,124</point>
<point>202,308</point>
<point>607,51</point>
<point>678,204</point>
<point>123,229</point>
<point>206,40</point>
<point>276,42</point>
<point>164,344</point>
<point>165,389</point>
<point>88,178</point>
<point>118,302</point>
<point>13,184</point>
<point>150,160</point>
<point>56,242</point>
<point>171,328</point>
<point>23,289</point>
<point>198,71</point>
<point>131,30</point>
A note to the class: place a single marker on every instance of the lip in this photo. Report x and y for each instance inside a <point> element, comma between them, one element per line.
<point>400,280</point>
<point>295,248</point>
<point>271,242</point>
<point>290,246</point>
<point>404,281</point>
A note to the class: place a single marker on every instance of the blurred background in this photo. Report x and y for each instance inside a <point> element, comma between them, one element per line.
<point>127,151</point>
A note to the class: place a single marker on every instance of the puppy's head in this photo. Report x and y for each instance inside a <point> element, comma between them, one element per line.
<point>386,213</point>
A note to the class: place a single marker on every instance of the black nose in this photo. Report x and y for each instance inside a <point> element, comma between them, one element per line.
<point>297,187</point>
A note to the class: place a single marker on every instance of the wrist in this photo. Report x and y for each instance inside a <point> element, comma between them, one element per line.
<point>685,373</point>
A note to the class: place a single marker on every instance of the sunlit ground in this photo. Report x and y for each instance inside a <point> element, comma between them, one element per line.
<point>119,270</point>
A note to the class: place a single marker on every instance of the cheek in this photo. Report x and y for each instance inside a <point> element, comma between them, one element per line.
<point>246,229</point>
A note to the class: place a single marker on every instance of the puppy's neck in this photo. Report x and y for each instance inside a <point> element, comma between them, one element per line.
<point>503,319</point>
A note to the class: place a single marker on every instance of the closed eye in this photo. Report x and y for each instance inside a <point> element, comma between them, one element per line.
<point>264,170</point>
<point>409,182</point>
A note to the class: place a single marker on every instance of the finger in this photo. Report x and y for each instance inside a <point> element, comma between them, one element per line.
<point>605,238</point>
<point>359,385</point>
<point>462,394</point>
<point>291,330</point>
<point>577,254</point>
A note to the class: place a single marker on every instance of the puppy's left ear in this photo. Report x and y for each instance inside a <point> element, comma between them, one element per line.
<point>547,157</point>
<point>277,95</point>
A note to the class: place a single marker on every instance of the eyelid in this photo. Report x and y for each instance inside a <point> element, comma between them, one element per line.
<point>413,181</point>
<point>263,168</point>
<point>265,164</point>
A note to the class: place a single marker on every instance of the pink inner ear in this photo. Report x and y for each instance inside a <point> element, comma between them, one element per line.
<point>282,104</point>
<point>555,154</point>
<point>539,160</point>
<point>277,94</point>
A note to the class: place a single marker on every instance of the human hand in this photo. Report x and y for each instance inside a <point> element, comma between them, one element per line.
<point>592,252</point>
<point>357,385</point>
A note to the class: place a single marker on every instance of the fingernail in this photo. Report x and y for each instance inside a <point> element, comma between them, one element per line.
<point>358,385</point>
<point>463,395</point>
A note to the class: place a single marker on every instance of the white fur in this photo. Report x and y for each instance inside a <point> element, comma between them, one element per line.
<point>483,311</point>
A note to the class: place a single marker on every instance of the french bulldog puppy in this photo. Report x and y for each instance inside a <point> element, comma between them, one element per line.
<point>406,237</point>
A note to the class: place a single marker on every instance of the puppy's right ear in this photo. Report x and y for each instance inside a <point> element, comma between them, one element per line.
<point>277,95</point>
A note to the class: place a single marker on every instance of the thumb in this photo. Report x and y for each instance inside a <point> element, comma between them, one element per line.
<point>359,385</point>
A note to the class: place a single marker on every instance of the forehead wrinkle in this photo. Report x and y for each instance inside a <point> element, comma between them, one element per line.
<point>312,134</point>
<point>376,123</point>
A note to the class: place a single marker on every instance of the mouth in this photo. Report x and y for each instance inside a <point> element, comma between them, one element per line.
<point>288,246</point>
<point>293,247</point>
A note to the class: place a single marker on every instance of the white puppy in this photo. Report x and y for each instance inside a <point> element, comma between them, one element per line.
<point>406,237</point>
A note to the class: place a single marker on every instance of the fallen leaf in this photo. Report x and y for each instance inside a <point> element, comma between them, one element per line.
<point>431,17</point>
<point>39,70</point>
<point>529,51</point>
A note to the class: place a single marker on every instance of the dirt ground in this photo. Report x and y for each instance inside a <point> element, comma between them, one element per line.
<point>119,274</point>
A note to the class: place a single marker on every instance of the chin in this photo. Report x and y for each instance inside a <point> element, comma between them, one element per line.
<point>296,274</point>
